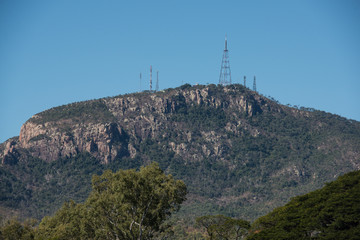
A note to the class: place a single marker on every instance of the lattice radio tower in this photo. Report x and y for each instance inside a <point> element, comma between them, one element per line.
<point>225,72</point>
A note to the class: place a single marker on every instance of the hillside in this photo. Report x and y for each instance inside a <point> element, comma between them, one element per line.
<point>332,212</point>
<point>239,153</point>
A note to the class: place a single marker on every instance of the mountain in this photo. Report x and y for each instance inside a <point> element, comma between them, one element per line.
<point>332,212</point>
<point>240,153</point>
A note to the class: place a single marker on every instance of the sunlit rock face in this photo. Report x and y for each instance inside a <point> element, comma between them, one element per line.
<point>135,118</point>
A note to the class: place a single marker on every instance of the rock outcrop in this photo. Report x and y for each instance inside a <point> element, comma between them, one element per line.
<point>135,117</point>
<point>113,128</point>
<point>10,155</point>
<point>49,142</point>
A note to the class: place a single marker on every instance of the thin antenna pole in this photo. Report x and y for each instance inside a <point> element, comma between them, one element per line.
<point>244,81</point>
<point>225,42</point>
<point>140,82</point>
<point>254,84</point>
<point>157,81</point>
<point>150,78</point>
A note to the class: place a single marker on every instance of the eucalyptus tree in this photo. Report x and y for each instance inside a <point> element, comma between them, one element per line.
<point>127,204</point>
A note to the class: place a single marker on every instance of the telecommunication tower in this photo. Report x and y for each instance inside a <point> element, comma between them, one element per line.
<point>140,82</point>
<point>157,81</point>
<point>150,78</point>
<point>254,84</point>
<point>244,81</point>
<point>225,72</point>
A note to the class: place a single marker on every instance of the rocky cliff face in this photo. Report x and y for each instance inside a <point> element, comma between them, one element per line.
<point>48,142</point>
<point>135,118</point>
<point>235,149</point>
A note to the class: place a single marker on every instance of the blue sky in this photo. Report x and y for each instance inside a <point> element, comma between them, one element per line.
<point>303,52</point>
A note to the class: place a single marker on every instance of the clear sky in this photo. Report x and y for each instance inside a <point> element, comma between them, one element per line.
<point>303,52</point>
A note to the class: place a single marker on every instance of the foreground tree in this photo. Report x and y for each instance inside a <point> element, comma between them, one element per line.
<point>15,230</point>
<point>127,204</point>
<point>220,227</point>
<point>332,212</point>
<point>65,224</point>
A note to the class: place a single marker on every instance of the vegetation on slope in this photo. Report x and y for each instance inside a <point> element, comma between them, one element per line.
<point>88,111</point>
<point>237,164</point>
<point>39,188</point>
<point>223,227</point>
<point>134,205</point>
<point>332,212</point>
<point>127,204</point>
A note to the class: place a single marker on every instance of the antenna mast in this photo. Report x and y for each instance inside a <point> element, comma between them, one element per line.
<point>150,78</point>
<point>225,72</point>
<point>244,81</point>
<point>140,82</point>
<point>157,81</point>
<point>254,84</point>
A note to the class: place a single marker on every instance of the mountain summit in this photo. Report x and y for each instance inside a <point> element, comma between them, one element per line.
<point>240,153</point>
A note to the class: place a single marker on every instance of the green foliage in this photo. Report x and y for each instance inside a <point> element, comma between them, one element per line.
<point>185,86</point>
<point>12,191</point>
<point>67,223</point>
<point>127,204</point>
<point>220,227</point>
<point>14,230</point>
<point>88,111</point>
<point>201,117</point>
<point>39,188</point>
<point>332,212</point>
<point>122,202</point>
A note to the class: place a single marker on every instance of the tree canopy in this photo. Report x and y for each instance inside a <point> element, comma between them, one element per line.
<point>133,204</point>
<point>128,204</point>
<point>332,212</point>
<point>221,227</point>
